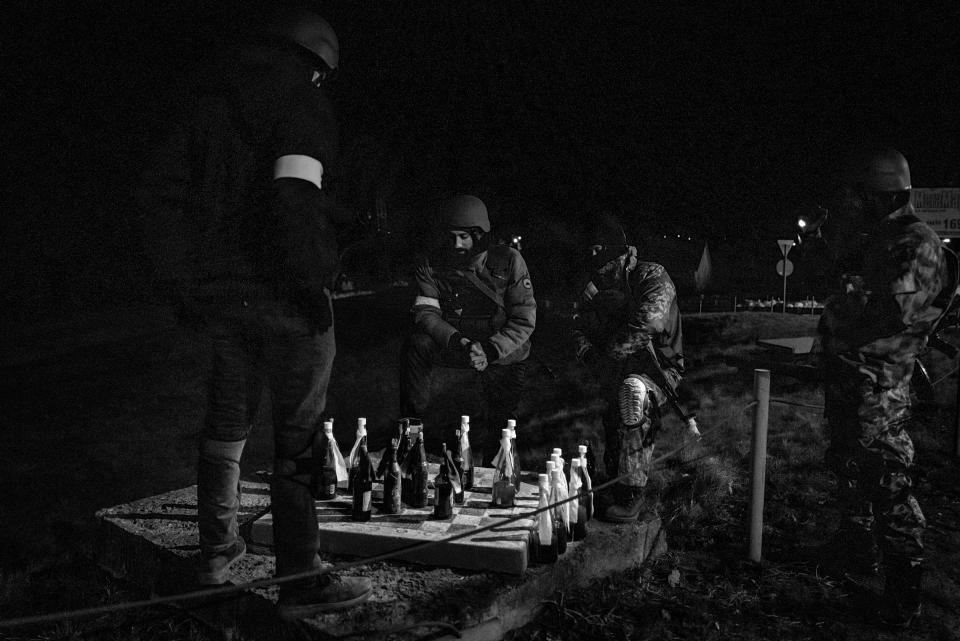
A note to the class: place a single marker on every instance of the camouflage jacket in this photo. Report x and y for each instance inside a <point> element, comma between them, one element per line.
<point>626,316</point>
<point>889,303</point>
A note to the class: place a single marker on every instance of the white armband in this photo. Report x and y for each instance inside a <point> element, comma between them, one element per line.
<point>428,301</point>
<point>299,166</point>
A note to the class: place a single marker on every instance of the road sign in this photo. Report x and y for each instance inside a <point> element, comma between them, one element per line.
<point>939,208</point>
<point>785,246</point>
<point>784,267</point>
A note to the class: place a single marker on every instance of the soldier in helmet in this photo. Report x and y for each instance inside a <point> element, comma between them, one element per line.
<point>627,331</point>
<point>237,222</point>
<point>474,308</point>
<point>892,268</point>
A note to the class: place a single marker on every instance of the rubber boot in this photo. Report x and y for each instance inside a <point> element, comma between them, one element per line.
<point>295,546</point>
<point>218,499</point>
<point>900,603</point>
<point>628,504</point>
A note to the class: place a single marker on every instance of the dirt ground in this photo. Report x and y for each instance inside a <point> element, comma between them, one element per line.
<point>105,409</point>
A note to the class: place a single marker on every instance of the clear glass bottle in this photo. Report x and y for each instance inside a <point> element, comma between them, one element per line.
<point>417,469</point>
<point>578,513</point>
<point>466,453</point>
<point>545,544</point>
<point>504,490</point>
<point>559,520</point>
<point>352,462</point>
<point>586,481</point>
<point>323,482</point>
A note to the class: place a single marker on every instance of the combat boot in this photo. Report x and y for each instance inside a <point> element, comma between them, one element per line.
<point>325,593</point>
<point>218,499</point>
<point>627,506</point>
<point>900,603</point>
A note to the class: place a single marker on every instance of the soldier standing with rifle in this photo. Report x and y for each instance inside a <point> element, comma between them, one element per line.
<point>891,267</point>
<point>627,331</point>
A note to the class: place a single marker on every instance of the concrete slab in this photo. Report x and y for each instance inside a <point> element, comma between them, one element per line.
<point>503,548</point>
<point>151,542</point>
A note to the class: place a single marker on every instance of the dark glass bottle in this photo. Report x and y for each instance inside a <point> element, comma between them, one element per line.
<point>443,488</point>
<point>363,484</point>
<point>403,438</point>
<point>390,470</point>
<point>323,482</point>
<point>545,543</point>
<point>361,433</point>
<point>586,480</point>
<point>559,527</point>
<point>417,471</point>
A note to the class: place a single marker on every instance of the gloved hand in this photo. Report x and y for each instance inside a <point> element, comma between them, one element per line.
<point>312,302</point>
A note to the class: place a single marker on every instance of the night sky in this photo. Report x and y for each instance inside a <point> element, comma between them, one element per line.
<point>712,123</point>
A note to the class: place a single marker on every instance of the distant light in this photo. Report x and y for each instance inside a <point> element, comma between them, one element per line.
<point>946,240</point>
<point>801,223</point>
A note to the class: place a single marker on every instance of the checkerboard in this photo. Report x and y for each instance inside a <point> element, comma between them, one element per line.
<point>503,548</point>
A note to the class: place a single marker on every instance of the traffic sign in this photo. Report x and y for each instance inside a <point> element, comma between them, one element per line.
<point>785,246</point>
<point>784,267</point>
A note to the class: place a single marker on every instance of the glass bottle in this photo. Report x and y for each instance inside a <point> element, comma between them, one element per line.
<point>444,487</point>
<point>504,490</point>
<point>416,468</point>
<point>323,482</point>
<point>457,457</point>
<point>466,453</point>
<point>392,503</point>
<point>586,481</point>
<point>512,426</point>
<point>362,483</point>
<point>559,519</point>
<point>545,550</point>
<point>352,461</point>
<point>578,513</point>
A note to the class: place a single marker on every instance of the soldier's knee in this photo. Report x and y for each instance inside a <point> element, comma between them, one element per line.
<point>633,400</point>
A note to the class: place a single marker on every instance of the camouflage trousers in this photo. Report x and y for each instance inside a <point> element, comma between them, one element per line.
<point>629,448</point>
<point>871,453</point>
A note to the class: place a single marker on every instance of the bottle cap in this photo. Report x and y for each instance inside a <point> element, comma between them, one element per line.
<point>361,423</point>
<point>582,449</point>
<point>550,466</point>
<point>555,458</point>
<point>542,479</point>
<point>464,419</point>
<point>328,426</point>
<point>557,451</point>
<point>504,433</point>
<point>574,463</point>
<point>511,423</point>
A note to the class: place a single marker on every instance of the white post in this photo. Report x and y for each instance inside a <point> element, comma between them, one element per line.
<point>758,458</point>
<point>784,310</point>
<point>734,303</point>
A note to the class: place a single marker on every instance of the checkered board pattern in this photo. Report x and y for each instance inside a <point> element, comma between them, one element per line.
<point>504,548</point>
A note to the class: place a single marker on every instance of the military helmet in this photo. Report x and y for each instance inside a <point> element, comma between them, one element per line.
<point>309,31</point>
<point>886,170</point>
<point>464,212</point>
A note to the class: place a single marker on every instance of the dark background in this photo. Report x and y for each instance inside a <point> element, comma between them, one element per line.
<point>693,122</point>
